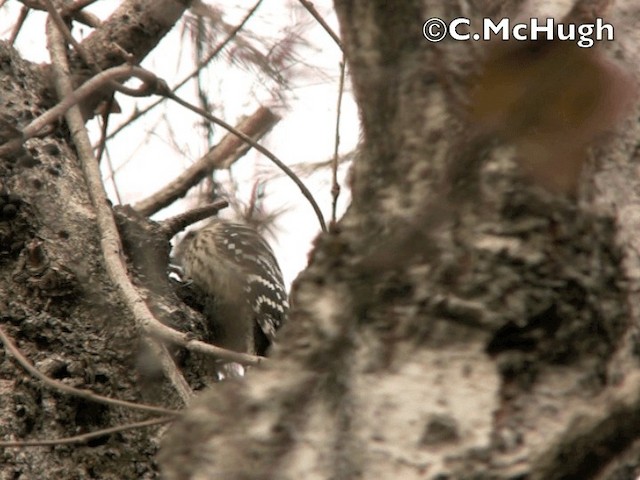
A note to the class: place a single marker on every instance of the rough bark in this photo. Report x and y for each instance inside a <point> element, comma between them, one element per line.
<point>461,321</point>
<point>55,298</point>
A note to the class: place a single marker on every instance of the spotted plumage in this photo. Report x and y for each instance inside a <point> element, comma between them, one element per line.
<point>246,301</point>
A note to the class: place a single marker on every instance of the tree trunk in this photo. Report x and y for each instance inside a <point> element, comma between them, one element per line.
<point>56,300</point>
<point>473,315</point>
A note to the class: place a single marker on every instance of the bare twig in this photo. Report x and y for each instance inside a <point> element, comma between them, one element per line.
<point>66,33</point>
<point>86,56</point>
<point>185,340</point>
<point>77,392</point>
<point>173,225</point>
<point>110,241</point>
<point>103,132</point>
<point>74,97</point>
<point>109,238</point>
<point>201,91</point>
<point>102,150</point>
<point>223,155</point>
<point>312,10</point>
<point>112,177</point>
<point>74,10</point>
<point>212,118</point>
<point>335,186</point>
<point>79,5</point>
<point>24,11</point>
<point>139,113</point>
<point>306,168</point>
<point>86,437</point>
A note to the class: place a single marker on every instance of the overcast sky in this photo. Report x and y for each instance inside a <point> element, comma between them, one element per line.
<point>156,148</point>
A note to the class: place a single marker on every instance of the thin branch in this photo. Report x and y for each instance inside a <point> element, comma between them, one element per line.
<point>112,175</point>
<point>79,5</point>
<point>86,437</point>
<point>304,168</point>
<point>85,56</point>
<point>201,91</point>
<point>312,10</point>
<point>110,241</point>
<point>167,364</point>
<point>109,238</point>
<point>335,186</point>
<point>303,188</point>
<point>185,340</point>
<point>139,113</point>
<point>223,155</point>
<point>75,97</point>
<point>66,33</point>
<point>73,10</point>
<point>24,11</point>
<point>102,142</point>
<point>77,392</point>
<point>173,225</point>
<point>102,150</point>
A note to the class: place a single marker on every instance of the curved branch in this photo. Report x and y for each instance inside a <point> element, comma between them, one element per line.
<point>81,393</point>
<point>75,97</point>
<point>223,155</point>
<point>173,225</point>
<point>86,437</point>
<point>279,163</point>
<point>109,237</point>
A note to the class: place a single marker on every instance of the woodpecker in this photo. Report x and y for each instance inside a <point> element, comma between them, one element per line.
<point>238,276</point>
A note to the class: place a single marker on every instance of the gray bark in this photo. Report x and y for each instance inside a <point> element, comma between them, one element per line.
<point>56,300</point>
<point>461,321</point>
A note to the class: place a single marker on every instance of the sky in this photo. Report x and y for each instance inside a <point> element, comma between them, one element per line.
<point>153,150</point>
